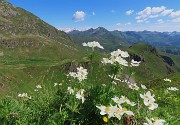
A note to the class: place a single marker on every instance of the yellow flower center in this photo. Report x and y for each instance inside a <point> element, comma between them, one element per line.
<point>155,118</point>
<point>105,119</point>
<point>149,105</point>
<point>124,109</point>
<point>107,109</point>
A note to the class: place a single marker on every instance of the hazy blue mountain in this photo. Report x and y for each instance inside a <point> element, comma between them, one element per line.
<point>100,34</point>
<point>116,38</point>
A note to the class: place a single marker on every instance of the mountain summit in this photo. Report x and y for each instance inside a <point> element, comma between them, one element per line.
<point>24,34</point>
<point>100,34</point>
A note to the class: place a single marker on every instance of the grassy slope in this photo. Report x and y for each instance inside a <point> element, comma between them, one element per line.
<point>175,58</point>
<point>29,47</point>
<point>153,67</point>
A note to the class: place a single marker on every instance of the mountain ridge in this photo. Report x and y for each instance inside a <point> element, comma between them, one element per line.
<point>24,36</point>
<point>151,37</point>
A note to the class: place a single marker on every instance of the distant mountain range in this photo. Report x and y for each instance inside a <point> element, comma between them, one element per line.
<point>26,40</point>
<point>100,34</point>
<point>124,38</point>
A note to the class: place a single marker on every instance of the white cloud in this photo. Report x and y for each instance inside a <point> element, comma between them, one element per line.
<point>144,13</point>
<point>129,23</point>
<point>93,13</point>
<point>167,12</point>
<point>67,30</point>
<point>140,21</point>
<point>118,24</point>
<point>160,21</point>
<point>175,14</point>
<point>156,10</point>
<point>129,12</point>
<point>153,16</point>
<point>79,16</point>
<point>149,12</point>
<point>177,20</point>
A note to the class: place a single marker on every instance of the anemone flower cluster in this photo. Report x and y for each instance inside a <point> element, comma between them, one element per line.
<point>24,95</point>
<point>79,93</point>
<point>155,121</point>
<point>133,86</point>
<point>149,100</point>
<point>81,74</point>
<point>172,89</point>
<point>39,87</point>
<point>116,111</point>
<point>117,57</point>
<point>57,84</point>
<point>167,80</point>
<point>122,100</point>
<point>93,45</point>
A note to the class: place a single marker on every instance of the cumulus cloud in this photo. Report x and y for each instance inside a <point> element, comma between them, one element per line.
<point>167,12</point>
<point>129,12</point>
<point>175,14</point>
<point>150,12</point>
<point>140,21</point>
<point>160,21</point>
<point>144,13</point>
<point>79,16</point>
<point>177,20</point>
<point>155,12</point>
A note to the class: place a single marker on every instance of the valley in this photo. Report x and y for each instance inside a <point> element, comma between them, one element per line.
<point>40,68</point>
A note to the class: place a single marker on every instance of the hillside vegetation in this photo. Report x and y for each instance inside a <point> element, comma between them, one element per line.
<point>47,79</point>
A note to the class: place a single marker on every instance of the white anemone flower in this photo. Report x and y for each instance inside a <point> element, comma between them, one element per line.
<point>121,61</point>
<point>143,86</point>
<point>135,63</point>
<point>114,111</point>
<point>80,95</point>
<point>56,84</point>
<point>149,100</point>
<point>172,89</point>
<point>123,99</point>
<point>133,86</point>
<point>103,109</point>
<point>70,90</point>
<point>72,74</point>
<point>24,95</point>
<point>120,111</point>
<point>93,45</point>
<point>119,52</point>
<point>38,86</point>
<point>81,74</point>
<point>154,122</point>
<point>167,80</point>
<point>105,61</point>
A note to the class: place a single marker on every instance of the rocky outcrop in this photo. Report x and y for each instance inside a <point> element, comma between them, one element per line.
<point>137,57</point>
<point>168,60</point>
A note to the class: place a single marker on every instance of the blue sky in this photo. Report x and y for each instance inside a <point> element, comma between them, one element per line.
<point>136,15</point>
